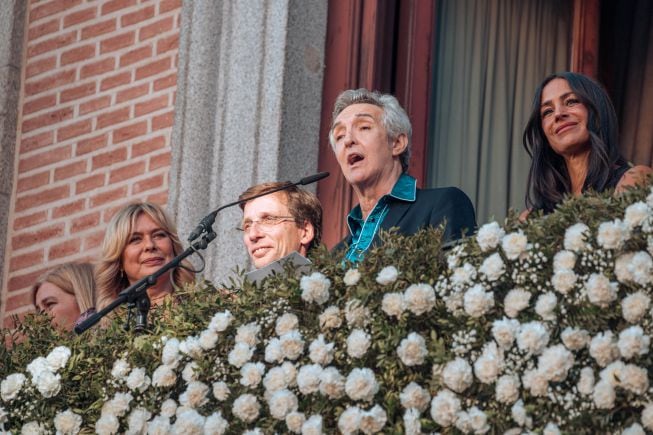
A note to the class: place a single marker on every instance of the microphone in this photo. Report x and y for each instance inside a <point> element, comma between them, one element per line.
<point>207,222</point>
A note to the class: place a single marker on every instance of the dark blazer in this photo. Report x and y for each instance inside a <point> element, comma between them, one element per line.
<point>430,208</point>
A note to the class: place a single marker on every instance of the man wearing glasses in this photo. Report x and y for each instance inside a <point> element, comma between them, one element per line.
<point>280,223</point>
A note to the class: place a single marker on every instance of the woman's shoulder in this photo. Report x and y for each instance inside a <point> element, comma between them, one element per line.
<point>634,175</point>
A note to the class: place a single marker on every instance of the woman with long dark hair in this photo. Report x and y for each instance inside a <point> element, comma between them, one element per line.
<point>572,138</point>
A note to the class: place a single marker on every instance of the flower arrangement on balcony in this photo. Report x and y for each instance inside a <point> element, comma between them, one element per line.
<point>538,326</point>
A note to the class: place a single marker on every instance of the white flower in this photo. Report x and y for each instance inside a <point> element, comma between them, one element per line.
<point>37,367</point>
<point>169,408</point>
<point>221,391</point>
<point>251,374</point>
<point>208,339</point>
<point>564,260</point>
<point>635,214</point>
<point>332,383</point>
<point>356,313</point>
<point>350,420</point>
<point>412,424</point>
<point>444,407</point>
<point>622,269</point>
<point>275,380</point>
<point>107,425</point>
<point>351,277</point>
<point>586,382</point>
<point>33,428</point>
<point>634,306</point>
<point>58,358</point>
<point>419,298</point>
<point>191,347</point>
<point>67,422</point>
<point>515,301</point>
<point>387,275</point>
<point>463,275</point>
<point>532,337</point>
<point>282,403</point>
<point>138,380</point>
<point>477,302</point>
<point>308,378</point>
<point>221,321</point>
<point>412,350</point>
<point>292,344</point>
<point>414,396</point>
<point>504,331</point>
<point>535,381</point>
<point>372,421</point>
<point>48,384</point>
<point>164,376</point>
<point>312,426</point>
<point>248,334</point>
<point>576,237</point>
<point>574,338</point>
<point>246,408</point>
<point>555,363</point>
<point>603,348</point>
<point>604,395</point>
<point>514,245</point>
<point>286,323</point>
<point>489,236</point>
<point>640,267</point>
<point>518,413</point>
<point>492,267</point>
<point>564,281</point>
<point>294,421</point>
<point>358,343</point>
<point>545,306</point>
<point>137,421</point>
<point>634,429</point>
<point>488,366</point>
<point>612,235</point>
<point>273,352</point>
<point>11,386</point>
<point>190,372</point>
<point>507,389</point>
<point>478,420</point>
<point>613,373</point>
<point>189,422</point>
<point>215,424</point>
<point>330,318</point>
<point>169,356</point>
<point>393,304</point>
<point>361,384</point>
<point>117,406</point>
<point>240,354</point>
<point>195,395</point>
<point>634,379</point>
<point>632,342</point>
<point>600,291</point>
<point>551,429</point>
<point>647,416</point>
<point>315,288</point>
<point>457,375</point>
<point>321,352</point>
<point>290,371</point>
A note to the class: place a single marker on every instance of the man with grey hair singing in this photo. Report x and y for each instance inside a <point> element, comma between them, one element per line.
<point>370,136</point>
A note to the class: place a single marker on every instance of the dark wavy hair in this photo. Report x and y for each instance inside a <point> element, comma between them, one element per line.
<point>548,178</point>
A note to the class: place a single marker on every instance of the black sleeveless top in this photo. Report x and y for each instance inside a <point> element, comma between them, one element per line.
<point>616,175</point>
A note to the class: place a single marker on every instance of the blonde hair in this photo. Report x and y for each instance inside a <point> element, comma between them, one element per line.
<point>73,278</point>
<point>110,277</point>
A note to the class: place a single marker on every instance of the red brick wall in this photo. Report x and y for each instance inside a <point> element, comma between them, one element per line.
<point>99,80</point>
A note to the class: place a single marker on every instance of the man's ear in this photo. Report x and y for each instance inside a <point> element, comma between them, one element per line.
<point>307,235</point>
<point>399,145</point>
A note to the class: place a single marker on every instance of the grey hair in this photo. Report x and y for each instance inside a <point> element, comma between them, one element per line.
<point>395,120</point>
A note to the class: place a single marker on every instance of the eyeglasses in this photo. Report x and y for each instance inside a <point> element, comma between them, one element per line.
<point>265,223</point>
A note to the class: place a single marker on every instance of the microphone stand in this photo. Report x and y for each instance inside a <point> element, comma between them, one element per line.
<point>135,296</point>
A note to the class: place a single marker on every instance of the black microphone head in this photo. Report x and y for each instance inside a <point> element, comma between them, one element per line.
<point>313,178</point>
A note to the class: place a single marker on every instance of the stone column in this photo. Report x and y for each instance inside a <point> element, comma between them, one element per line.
<point>12,29</point>
<point>247,111</point>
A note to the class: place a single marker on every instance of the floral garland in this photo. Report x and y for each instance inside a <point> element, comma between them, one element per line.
<point>538,326</point>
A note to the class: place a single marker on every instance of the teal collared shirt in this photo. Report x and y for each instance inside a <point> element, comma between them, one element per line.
<point>363,230</point>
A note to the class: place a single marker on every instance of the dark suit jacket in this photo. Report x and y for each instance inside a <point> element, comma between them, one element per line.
<point>431,208</point>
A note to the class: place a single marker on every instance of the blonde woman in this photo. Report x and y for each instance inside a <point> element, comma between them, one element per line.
<point>66,293</point>
<point>139,240</point>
